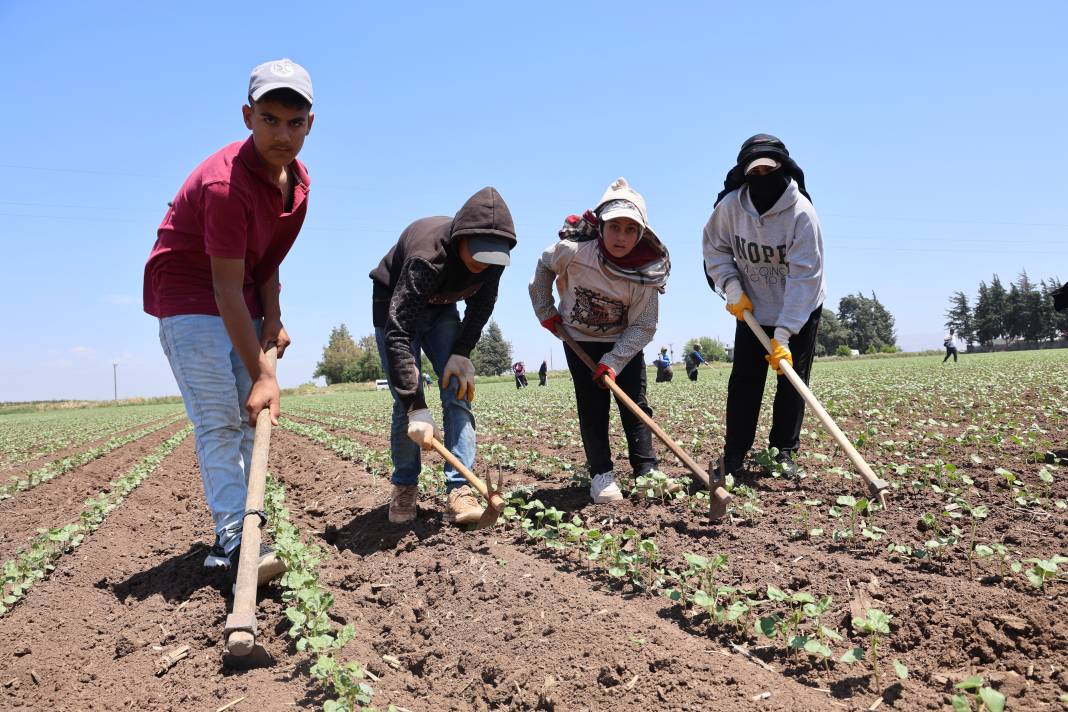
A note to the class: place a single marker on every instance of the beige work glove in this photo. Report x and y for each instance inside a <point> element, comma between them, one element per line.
<point>421,428</point>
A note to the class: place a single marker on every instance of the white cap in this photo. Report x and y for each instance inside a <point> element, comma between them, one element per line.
<point>615,209</point>
<point>757,162</point>
<point>280,74</point>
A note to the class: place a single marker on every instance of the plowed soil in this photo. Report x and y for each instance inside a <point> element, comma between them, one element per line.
<point>447,619</point>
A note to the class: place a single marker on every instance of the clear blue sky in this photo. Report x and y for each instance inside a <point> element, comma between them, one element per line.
<point>932,134</point>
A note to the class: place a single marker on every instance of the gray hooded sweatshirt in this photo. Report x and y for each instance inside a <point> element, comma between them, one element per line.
<point>777,257</point>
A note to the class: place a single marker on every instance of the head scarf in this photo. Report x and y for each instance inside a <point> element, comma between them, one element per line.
<point>763,146</point>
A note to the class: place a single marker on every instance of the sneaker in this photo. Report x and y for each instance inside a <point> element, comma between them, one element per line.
<point>270,566</point>
<point>787,467</point>
<point>731,466</point>
<point>402,503</point>
<point>603,488</point>
<point>463,506</point>
<point>216,558</point>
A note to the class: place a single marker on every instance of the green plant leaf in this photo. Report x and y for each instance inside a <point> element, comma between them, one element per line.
<point>901,670</point>
<point>992,699</point>
<point>852,656</point>
<point>971,683</point>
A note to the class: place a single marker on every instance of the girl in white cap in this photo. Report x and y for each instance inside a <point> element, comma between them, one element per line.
<point>610,269</point>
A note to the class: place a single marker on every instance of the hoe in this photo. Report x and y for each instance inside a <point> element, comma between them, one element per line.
<point>876,486</point>
<point>495,504</point>
<point>243,650</point>
<point>719,496</point>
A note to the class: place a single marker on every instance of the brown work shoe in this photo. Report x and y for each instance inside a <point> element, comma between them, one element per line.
<point>463,506</point>
<point>402,503</point>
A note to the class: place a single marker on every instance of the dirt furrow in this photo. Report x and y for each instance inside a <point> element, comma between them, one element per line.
<point>475,621</point>
<point>60,500</point>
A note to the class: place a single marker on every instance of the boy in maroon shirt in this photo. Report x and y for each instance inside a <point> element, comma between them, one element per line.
<point>212,281</point>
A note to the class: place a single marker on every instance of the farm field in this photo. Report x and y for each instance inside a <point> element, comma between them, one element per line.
<point>808,597</point>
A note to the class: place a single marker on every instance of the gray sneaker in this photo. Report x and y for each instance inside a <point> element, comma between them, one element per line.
<point>216,558</point>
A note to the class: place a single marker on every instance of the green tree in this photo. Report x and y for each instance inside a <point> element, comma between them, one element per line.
<point>492,355</point>
<point>711,349</point>
<point>368,365</point>
<point>870,324</point>
<point>985,320</point>
<point>831,334</point>
<point>999,308</point>
<point>959,317</point>
<point>339,356</point>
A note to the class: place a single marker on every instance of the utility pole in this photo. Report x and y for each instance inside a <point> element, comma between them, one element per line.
<point>115,379</point>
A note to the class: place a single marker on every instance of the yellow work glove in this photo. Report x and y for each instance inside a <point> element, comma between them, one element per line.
<point>737,300</point>
<point>779,352</point>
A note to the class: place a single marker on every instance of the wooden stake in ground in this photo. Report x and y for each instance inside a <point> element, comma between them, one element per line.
<point>719,496</point>
<point>240,630</point>
<point>876,485</point>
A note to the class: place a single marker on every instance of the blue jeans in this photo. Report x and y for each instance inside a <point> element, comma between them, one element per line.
<point>214,384</point>
<point>435,336</point>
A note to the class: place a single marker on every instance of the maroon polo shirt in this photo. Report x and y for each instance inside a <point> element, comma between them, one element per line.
<point>228,207</point>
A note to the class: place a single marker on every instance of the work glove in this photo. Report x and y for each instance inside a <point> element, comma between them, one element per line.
<point>603,371</point>
<point>421,428</point>
<point>737,301</point>
<point>463,370</point>
<point>553,323</point>
<point>779,352</point>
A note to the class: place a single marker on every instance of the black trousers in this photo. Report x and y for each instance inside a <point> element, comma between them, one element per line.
<point>593,408</point>
<point>541,378</point>
<point>745,390</point>
<point>950,351</point>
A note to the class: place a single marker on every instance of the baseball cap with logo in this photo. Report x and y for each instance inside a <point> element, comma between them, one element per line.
<point>280,74</point>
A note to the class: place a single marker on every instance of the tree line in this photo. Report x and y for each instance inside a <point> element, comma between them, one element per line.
<point>346,360</point>
<point>1022,312</point>
<point>862,323</point>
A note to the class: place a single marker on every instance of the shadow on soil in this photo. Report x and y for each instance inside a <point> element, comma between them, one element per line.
<point>175,578</point>
<point>371,531</point>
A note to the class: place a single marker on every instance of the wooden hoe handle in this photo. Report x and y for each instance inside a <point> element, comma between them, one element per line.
<point>720,495</point>
<point>878,487</point>
<point>492,497</point>
<point>241,623</point>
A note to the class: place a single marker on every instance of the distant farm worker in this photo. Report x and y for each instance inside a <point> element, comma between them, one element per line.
<point>693,361</point>
<point>543,374</point>
<point>437,262</point>
<point>610,269</point>
<point>950,343</point>
<point>763,248</point>
<point>520,372</point>
<point>663,366</point>
<point>212,280</point>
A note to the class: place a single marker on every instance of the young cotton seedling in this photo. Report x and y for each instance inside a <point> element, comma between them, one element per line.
<point>876,624</point>
<point>974,690</point>
<point>1043,570</point>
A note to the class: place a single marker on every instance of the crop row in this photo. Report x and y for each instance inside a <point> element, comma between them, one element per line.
<point>35,560</point>
<point>308,612</point>
<point>28,436</point>
<point>59,467</point>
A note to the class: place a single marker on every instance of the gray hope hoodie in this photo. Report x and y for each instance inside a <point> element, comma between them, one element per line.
<point>777,257</point>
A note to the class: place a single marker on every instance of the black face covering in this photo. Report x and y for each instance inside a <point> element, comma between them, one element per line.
<point>766,190</point>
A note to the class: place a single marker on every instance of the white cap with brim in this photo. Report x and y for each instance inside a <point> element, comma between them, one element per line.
<point>489,250</point>
<point>280,74</point>
<point>616,209</point>
<point>756,163</point>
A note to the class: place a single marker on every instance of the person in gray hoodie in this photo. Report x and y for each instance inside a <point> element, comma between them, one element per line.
<point>610,269</point>
<point>763,250</point>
